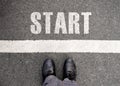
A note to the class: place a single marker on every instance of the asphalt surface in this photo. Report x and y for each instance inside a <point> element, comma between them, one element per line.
<point>92,69</point>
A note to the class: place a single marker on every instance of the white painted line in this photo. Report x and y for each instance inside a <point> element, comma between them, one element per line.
<point>59,46</point>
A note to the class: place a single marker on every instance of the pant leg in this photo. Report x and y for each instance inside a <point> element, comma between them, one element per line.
<point>52,81</point>
<point>67,82</point>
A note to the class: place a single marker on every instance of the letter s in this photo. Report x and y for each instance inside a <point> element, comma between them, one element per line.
<point>36,28</point>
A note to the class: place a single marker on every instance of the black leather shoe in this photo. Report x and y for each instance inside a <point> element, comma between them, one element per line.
<point>69,69</point>
<point>48,68</point>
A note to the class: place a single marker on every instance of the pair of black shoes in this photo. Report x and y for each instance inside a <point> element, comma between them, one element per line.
<point>69,69</point>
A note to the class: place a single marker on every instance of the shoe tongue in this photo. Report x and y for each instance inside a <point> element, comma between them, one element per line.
<point>70,74</point>
<point>49,71</point>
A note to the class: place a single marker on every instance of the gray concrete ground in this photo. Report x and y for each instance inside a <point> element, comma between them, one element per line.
<point>93,69</point>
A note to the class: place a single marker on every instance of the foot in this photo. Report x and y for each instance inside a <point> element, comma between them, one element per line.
<point>69,69</point>
<point>48,68</point>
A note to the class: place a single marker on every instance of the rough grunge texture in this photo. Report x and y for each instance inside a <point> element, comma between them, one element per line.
<point>92,69</point>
